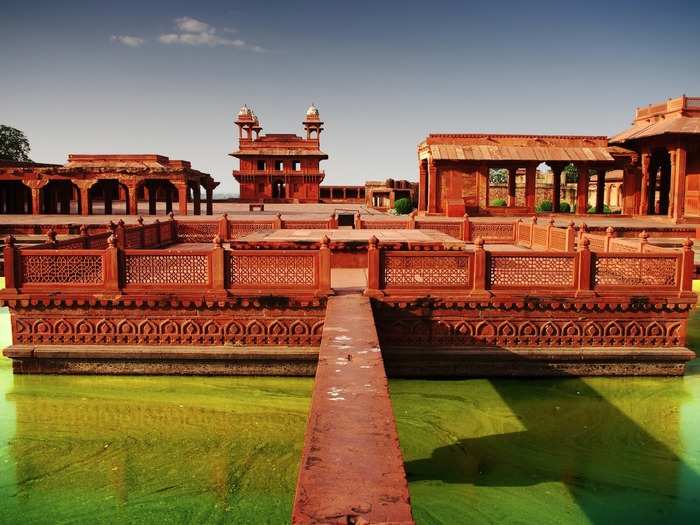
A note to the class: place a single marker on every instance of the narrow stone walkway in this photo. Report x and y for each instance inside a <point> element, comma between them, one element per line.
<point>352,469</point>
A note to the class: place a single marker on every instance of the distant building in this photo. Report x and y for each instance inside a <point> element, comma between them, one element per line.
<point>90,184</point>
<point>279,167</point>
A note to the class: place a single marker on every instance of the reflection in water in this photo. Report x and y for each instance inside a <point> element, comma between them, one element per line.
<point>151,449</point>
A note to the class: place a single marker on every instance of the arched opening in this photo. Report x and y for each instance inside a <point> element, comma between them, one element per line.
<point>110,197</point>
<point>659,182</point>
<point>15,198</point>
<point>61,197</point>
<point>278,189</point>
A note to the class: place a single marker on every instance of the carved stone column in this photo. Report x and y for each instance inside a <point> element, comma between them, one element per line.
<point>530,187</point>
<point>644,191</point>
<point>422,185</point>
<point>181,197</point>
<point>678,172</point>
<point>133,197</point>
<point>197,194</point>
<point>556,187</point>
<point>582,189</point>
<point>600,191</point>
<point>511,200</point>
<point>35,185</point>
<point>432,187</point>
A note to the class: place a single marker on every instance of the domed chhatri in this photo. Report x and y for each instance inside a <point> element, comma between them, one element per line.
<point>312,112</point>
<point>245,112</point>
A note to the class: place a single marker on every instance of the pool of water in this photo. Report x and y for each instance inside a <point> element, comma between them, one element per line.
<point>148,449</point>
<point>211,450</point>
<point>595,450</point>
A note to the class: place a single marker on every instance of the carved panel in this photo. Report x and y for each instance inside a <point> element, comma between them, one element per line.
<point>514,332</point>
<point>132,238</point>
<point>280,270</point>
<point>557,239</point>
<point>85,269</point>
<point>150,237</point>
<point>635,271</point>
<point>306,225</point>
<point>384,225</point>
<point>524,233</point>
<point>539,235</point>
<point>239,229</point>
<point>425,271</point>
<point>166,269</point>
<point>452,229</point>
<point>197,231</point>
<point>527,270</point>
<point>298,329</point>
<point>492,231</point>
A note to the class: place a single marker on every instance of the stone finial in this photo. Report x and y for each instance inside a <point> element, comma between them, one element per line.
<point>644,235</point>
<point>51,234</point>
<point>373,241</point>
<point>609,231</point>
<point>217,241</point>
<point>112,225</point>
<point>551,221</point>
<point>479,243</point>
<point>172,216</point>
<point>140,220</point>
<point>9,241</point>
<point>534,219</point>
<point>584,245</point>
<point>121,223</point>
<point>324,241</point>
<point>688,244</point>
<point>583,227</point>
<point>112,241</point>
<point>572,224</point>
<point>83,230</point>
<point>225,215</point>
<point>157,221</point>
<point>279,216</point>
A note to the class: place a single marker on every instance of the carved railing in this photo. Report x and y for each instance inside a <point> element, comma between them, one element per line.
<point>545,236</point>
<point>482,273</point>
<point>168,271</point>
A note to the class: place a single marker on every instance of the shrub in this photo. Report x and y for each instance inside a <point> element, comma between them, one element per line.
<point>498,202</point>
<point>606,209</point>
<point>564,207</point>
<point>544,206</point>
<point>403,206</point>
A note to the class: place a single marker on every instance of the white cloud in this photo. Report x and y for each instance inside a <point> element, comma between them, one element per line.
<point>192,25</point>
<point>127,40</point>
<point>199,39</point>
<point>192,32</point>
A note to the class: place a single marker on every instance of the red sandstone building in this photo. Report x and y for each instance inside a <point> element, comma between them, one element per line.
<point>279,167</point>
<point>87,183</point>
<point>659,158</point>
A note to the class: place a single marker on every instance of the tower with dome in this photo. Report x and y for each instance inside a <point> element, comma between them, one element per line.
<point>279,167</point>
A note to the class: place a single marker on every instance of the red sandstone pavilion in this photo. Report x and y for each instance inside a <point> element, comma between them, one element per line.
<point>89,180</point>
<point>659,157</point>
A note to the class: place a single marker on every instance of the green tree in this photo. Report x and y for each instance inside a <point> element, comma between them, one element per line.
<point>13,145</point>
<point>403,206</point>
<point>571,173</point>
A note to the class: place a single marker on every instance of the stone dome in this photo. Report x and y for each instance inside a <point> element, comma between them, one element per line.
<point>245,111</point>
<point>312,111</point>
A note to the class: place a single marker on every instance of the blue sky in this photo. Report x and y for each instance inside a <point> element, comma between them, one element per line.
<point>169,77</point>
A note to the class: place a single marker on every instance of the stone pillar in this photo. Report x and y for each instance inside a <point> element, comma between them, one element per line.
<point>84,195</point>
<point>168,199</point>
<point>197,198</point>
<point>644,195</point>
<point>422,185</point>
<point>152,193</point>
<point>432,187</point>
<point>35,185</point>
<point>511,200</point>
<point>133,198</point>
<point>678,173</point>
<point>556,187</point>
<point>108,192</point>
<point>530,183</point>
<point>210,199</point>
<point>600,191</point>
<point>582,190</point>
<point>182,197</point>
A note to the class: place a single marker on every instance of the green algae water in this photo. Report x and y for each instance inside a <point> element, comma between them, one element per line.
<point>81,449</point>
<point>594,450</point>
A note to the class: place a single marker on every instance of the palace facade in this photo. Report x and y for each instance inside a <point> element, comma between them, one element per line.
<point>279,167</point>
